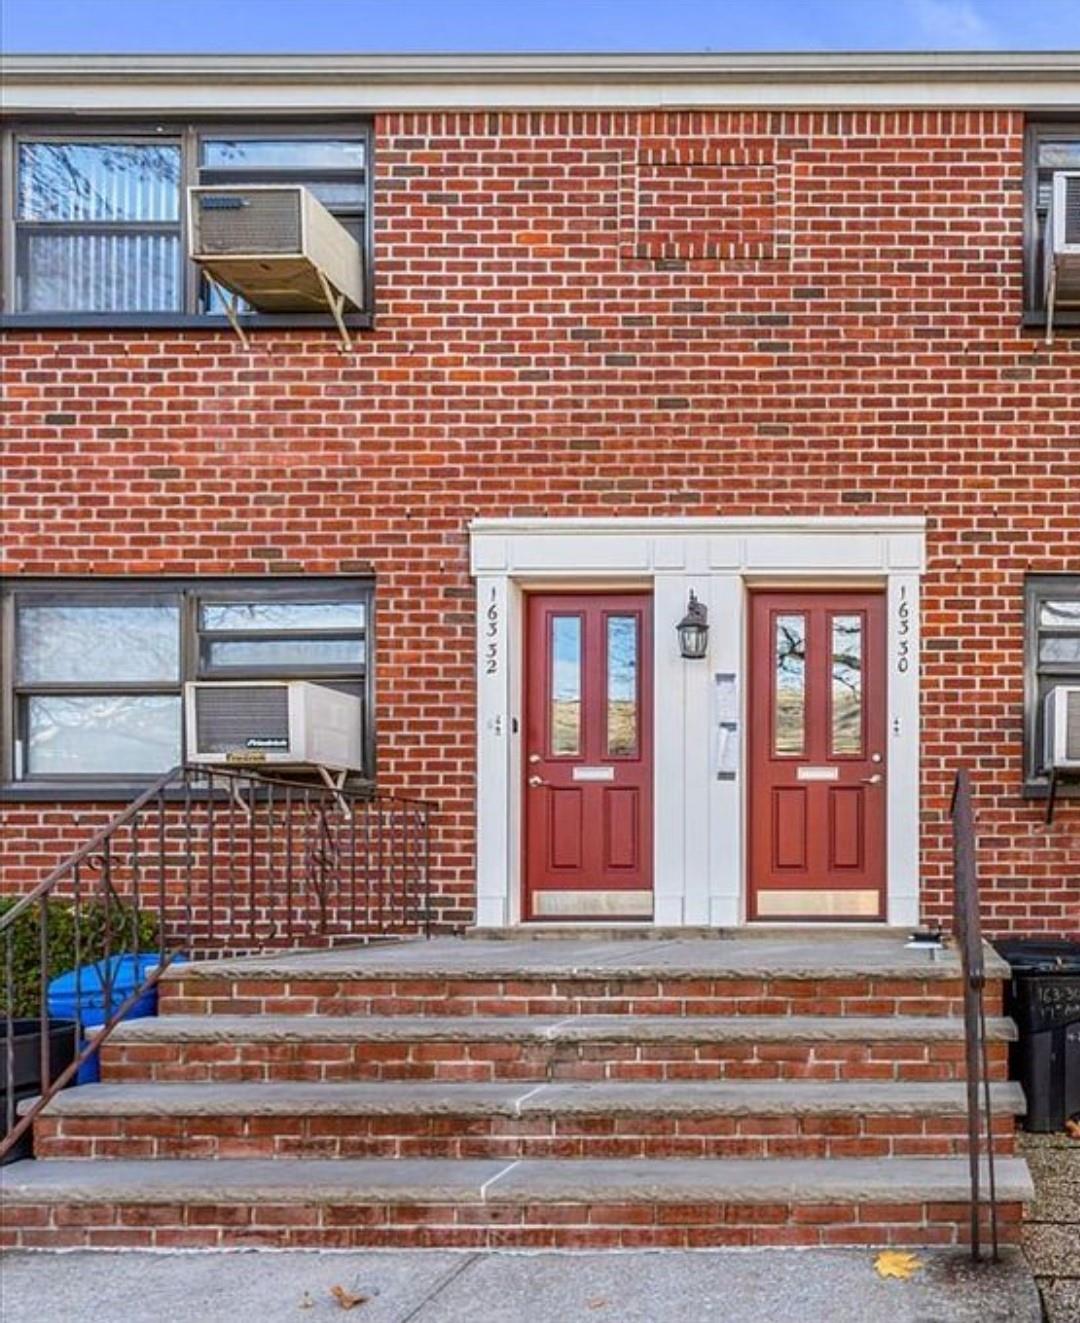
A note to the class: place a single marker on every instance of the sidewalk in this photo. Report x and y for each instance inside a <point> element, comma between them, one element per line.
<point>1052,1226</point>
<point>729,1286</point>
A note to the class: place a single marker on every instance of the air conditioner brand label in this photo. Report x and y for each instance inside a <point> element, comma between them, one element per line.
<point>266,742</point>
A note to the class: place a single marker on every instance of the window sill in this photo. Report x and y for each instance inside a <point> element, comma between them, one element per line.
<point>1035,790</point>
<point>1036,320</point>
<point>177,321</point>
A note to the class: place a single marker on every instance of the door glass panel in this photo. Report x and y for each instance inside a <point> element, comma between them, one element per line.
<point>789,717</point>
<point>622,688</point>
<point>847,684</point>
<point>565,685</point>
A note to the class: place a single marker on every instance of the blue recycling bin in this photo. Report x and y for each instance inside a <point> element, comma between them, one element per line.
<point>82,992</point>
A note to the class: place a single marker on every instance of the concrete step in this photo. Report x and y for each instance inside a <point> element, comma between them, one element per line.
<point>506,1120</point>
<point>526,1204</point>
<point>581,1047</point>
<point>860,975</point>
<point>853,955</point>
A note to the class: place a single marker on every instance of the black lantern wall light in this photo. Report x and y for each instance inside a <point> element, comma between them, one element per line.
<point>693,630</point>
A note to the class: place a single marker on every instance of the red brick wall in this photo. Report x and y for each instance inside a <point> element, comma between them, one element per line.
<point>607,314</point>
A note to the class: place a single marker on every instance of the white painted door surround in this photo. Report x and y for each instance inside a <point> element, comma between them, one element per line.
<point>699,810</point>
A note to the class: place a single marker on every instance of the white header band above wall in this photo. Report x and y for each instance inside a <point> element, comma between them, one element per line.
<point>776,547</point>
<point>75,84</point>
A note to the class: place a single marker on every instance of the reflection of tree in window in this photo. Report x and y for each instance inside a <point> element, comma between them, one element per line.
<point>622,663</point>
<point>1059,621</point>
<point>98,644</point>
<point>790,700</point>
<point>98,227</point>
<point>137,734</point>
<point>846,684</point>
<point>99,181</point>
<point>566,685</point>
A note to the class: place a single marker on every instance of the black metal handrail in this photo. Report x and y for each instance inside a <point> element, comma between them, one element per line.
<point>204,863</point>
<point>967,930</point>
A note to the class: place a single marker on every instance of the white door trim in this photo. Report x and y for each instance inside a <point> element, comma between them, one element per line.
<point>698,824</point>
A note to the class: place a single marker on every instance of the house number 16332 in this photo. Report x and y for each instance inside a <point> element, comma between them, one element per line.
<point>491,643</point>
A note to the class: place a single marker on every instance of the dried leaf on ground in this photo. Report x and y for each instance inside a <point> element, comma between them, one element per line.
<point>897,1263</point>
<point>345,1299</point>
<point>597,1302</point>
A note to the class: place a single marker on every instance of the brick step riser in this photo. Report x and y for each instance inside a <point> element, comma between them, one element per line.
<point>454,1062</point>
<point>565,997</point>
<point>640,1225</point>
<point>510,1138</point>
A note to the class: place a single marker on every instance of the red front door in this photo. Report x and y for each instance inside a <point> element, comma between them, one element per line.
<point>817,756</point>
<point>588,756</point>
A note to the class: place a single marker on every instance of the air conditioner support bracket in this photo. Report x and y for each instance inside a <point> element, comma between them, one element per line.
<point>335,785</point>
<point>230,300</point>
<point>1057,775</point>
<point>336,303</point>
<point>1051,298</point>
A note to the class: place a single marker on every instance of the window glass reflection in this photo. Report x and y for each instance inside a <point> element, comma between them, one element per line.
<point>622,685</point>
<point>847,684</point>
<point>789,716</point>
<point>86,643</point>
<point>566,685</point>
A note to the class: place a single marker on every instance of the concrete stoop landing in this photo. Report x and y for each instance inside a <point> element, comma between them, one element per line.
<point>656,1091</point>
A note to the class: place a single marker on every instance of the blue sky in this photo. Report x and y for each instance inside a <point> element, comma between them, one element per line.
<point>524,25</point>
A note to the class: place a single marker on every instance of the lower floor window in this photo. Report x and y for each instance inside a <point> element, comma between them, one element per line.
<point>1052,657</point>
<point>96,671</point>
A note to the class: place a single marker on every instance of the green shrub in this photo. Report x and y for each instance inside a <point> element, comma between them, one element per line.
<point>101,925</point>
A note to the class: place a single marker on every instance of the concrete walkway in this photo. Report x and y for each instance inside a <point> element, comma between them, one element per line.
<point>732,1286</point>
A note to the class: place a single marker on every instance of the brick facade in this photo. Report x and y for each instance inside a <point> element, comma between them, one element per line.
<point>607,314</point>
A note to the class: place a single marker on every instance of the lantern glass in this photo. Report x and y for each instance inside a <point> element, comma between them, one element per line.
<point>693,640</point>
<point>693,630</point>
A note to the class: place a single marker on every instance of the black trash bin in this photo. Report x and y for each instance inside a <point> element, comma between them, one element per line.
<point>1043,997</point>
<point>26,1069</point>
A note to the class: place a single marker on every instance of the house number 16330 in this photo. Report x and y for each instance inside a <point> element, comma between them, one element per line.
<point>903,630</point>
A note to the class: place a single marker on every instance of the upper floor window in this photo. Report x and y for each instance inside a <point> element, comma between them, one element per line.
<point>96,670</point>
<point>97,221</point>
<point>1052,657</point>
<point>1050,147</point>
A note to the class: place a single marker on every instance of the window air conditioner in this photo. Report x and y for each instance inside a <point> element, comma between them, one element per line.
<point>285,723</point>
<point>1061,728</point>
<point>277,247</point>
<point>1061,246</point>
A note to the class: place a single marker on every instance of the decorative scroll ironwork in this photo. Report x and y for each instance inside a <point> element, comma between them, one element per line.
<point>204,864</point>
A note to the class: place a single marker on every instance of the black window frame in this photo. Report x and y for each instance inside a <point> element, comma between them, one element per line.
<point>189,132</point>
<point>1036,132</point>
<point>191,592</point>
<point>1039,676</point>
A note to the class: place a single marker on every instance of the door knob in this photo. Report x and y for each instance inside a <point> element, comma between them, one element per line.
<point>871,780</point>
<point>537,781</point>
